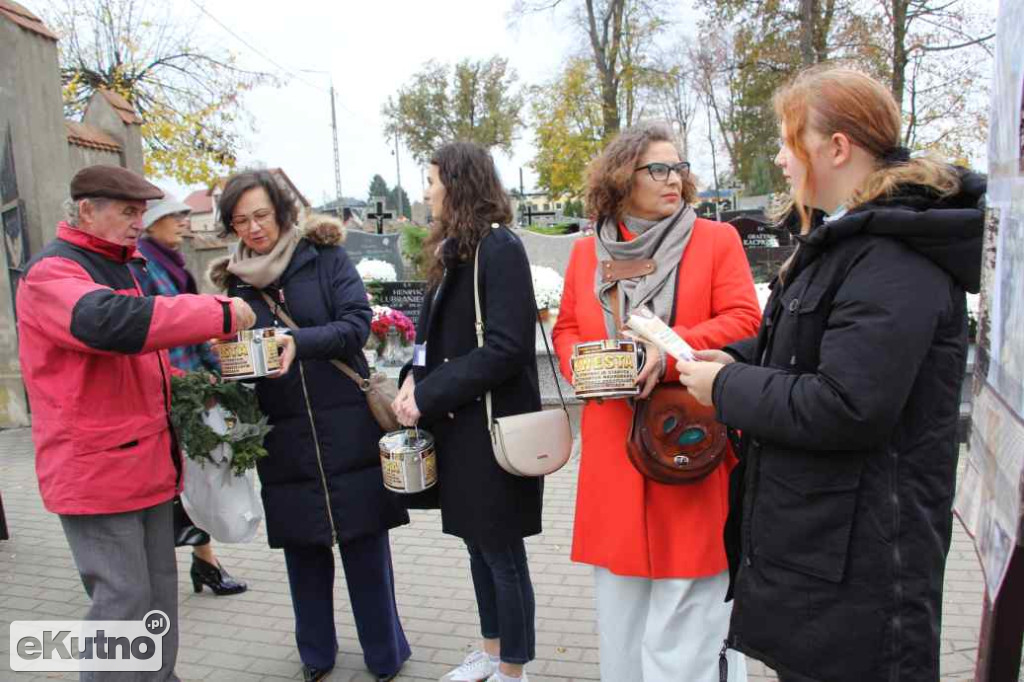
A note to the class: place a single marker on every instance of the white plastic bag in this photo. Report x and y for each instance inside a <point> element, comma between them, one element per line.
<point>224,505</point>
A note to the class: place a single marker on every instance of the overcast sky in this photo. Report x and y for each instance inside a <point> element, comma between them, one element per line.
<point>370,48</point>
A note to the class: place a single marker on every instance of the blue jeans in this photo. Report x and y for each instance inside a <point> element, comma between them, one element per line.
<point>504,598</point>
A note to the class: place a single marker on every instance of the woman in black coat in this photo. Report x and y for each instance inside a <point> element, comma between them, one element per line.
<point>488,508</point>
<point>848,399</point>
<point>321,483</point>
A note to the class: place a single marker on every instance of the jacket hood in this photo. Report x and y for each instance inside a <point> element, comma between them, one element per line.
<point>318,229</point>
<point>946,230</point>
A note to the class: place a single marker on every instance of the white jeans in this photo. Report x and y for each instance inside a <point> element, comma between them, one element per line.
<point>663,630</point>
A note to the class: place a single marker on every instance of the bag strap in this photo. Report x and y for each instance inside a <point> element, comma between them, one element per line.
<point>363,384</point>
<point>616,312</point>
<point>480,341</point>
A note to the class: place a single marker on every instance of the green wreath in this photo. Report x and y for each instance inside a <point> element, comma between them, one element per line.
<point>189,396</point>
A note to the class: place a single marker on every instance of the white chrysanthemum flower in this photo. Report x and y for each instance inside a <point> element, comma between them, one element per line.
<point>373,270</point>
<point>547,286</point>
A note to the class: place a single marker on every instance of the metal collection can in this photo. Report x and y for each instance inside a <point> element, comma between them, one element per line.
<point>607,368</point>
<point>408,460</point>
<point>252,355</point>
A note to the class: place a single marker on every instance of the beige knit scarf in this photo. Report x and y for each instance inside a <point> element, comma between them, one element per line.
<point>262,270</point>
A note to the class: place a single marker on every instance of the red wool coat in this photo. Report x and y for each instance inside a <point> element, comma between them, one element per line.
<point>624,522</point>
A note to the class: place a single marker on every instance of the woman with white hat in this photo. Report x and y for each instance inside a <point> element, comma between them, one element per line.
<point>163,274</point>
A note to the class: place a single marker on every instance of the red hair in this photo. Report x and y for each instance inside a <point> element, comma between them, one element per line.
<point>832,99</point>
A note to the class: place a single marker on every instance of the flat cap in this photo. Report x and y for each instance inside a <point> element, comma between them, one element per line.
<point>112,182</point>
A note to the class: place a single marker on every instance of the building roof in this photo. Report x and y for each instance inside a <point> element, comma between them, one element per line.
<point>90,137</point>
<point>22,17</point>
<point>200,201</point>
<point>124,110</point>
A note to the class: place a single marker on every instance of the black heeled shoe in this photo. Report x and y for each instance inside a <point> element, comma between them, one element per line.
<point>387,677</point>
<point>311,674</point>
<point>214,577</point>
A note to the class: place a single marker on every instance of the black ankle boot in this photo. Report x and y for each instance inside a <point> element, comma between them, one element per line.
<point>311,674</point>
<point>214,577</point>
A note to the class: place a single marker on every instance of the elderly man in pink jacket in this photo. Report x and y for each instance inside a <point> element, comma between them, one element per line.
<point>94,359</point>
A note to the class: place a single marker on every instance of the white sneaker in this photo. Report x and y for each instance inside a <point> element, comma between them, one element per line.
<point>475,667</point>
<point>494,678</point>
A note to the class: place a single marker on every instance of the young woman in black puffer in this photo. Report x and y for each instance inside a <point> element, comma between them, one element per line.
<point>848,399</point>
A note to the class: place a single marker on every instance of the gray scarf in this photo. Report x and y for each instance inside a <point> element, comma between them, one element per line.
<point>664,242</point>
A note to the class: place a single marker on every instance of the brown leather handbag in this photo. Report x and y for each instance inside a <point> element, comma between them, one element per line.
<point>674,439</point>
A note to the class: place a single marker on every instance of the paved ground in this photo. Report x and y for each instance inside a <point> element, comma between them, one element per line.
<point>249,637</point>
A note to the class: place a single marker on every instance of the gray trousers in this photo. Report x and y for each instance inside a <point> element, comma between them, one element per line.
<point>128,567</point>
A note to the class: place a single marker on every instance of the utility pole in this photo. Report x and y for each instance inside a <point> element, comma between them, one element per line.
<point>337,158</point>
<point>714,165</point>
<point>398,187</point>
<point>522,195</point>
<point>334,128</point>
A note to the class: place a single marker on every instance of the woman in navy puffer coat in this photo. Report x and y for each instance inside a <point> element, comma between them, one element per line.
<point>322,483</point>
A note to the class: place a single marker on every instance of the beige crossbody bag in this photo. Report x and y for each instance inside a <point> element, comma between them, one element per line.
<point>531,444</point>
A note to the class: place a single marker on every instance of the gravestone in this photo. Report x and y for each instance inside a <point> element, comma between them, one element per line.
<point>766,246</point>
<point>379,213</point>
<point>406,297</point>
<point>755,234</point>
<point>385,247</point>
<point>551,251</point>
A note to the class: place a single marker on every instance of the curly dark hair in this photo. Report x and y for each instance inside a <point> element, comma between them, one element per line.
<point>610,175</point>
<point>285,211</point>
<point>473,199</point>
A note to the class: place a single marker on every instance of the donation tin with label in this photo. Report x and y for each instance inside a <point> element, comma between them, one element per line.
<point>607,368</point>
<point>408,460</point>
<point>252,355</point>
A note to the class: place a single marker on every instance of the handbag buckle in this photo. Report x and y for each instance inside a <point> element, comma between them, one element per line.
<point>681,460</point>
<point>365,386</point>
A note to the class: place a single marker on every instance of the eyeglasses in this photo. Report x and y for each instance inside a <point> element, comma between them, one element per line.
<point>261,216</point>
<point>660,171</point>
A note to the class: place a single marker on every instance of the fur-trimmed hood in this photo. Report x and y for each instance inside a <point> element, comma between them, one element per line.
<point>318,229</point>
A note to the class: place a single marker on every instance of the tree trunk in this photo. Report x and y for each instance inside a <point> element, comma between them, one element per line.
<point>605,34</point>
<point>610,104</point>
<point>899,49</point>
<point>807,16</point>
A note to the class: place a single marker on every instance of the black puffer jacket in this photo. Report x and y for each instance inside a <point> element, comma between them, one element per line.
<point>322,481</point>
<point>848,401</point>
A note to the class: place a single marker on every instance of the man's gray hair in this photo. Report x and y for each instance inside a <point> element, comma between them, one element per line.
<point>71,207</point>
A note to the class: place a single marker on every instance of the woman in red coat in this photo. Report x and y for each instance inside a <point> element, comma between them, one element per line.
<point>660,566</point>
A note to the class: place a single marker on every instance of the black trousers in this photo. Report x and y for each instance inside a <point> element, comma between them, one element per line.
<point>371,591</point>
